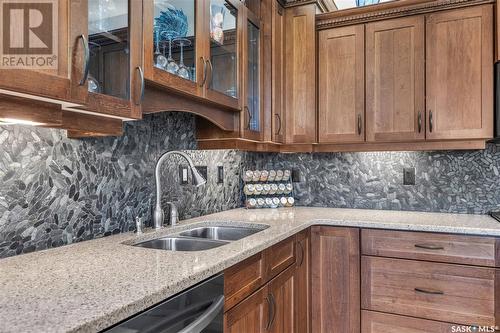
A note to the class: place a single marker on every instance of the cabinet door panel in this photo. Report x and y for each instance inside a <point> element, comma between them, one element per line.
<point>335,280</point>
<point>159,42</point>
<point>278,74</point>
<point>50,81</point>
<point>282,293</point>
<point>250,316</point>
<point>460,73</point>
<point>395,80</point>
<point>341,82</point>
<point>300,74</point>
<point>302,282</point>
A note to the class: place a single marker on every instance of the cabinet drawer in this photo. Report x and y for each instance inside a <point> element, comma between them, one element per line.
<point>278,257</point>
<point>243,279</point>
<point>445,292</point>
<point>376,322</point>
<point>470,250</point>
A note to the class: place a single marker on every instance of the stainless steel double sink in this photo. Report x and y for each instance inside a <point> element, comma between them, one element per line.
<point>201,238</point>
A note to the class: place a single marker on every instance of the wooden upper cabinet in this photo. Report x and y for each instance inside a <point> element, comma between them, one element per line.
<point>53,82</point>
<point>211,59</point>
<point>460,73</point>
<point>300,74</point>
<point>341,85</point>
<point>278,74</point>
<point>159,67</point>
<point>395,101</point>
<point>335,280</point>
<point>252,124</point>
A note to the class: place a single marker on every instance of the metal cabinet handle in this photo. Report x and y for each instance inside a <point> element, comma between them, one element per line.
<point>274,310</point>
<point>206,318</point>
<point>86,63</point>
<point>431,121</point>
<point>211,69</point>
<point>249,116</point>
<point>419,122</point>
<point>429,291</point>
<point>360,124</point>
<point>141,75</point>
<point>279,122</point>
<point>302,253</point>
<point>429,246</point>
<point>204,72</point>
<point>270,311</point>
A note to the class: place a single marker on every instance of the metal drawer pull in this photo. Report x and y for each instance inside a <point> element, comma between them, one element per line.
<point>360,125</point>
<point>205,68</point>
<point>249,117</point>
<point>141,75</point>
<point>429,291</point>
<point>270,304</point>
<point>429,246</point>
<point>302,253</point>
<point>211,69</point>
<point>431,121</point>
<point>279,122</point>
<point>86,64</point>
<point>419,122</point>
<point>206,318</point>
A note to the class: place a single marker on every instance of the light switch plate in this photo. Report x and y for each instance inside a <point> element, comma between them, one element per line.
<point>183,174</point>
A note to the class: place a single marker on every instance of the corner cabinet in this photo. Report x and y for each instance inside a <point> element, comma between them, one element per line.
<point>201,57</point>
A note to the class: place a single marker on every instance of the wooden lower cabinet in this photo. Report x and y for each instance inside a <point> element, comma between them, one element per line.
<point>302,282</point>
<point>335,280</point>
<point>270,309</point>
<point>377,322</point>
<point>249,316</point>
<point>281,291</point>
<point>445,292</point>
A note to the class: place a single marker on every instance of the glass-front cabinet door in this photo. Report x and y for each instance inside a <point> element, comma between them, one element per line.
<point>251,117</point>
<point>224,29</point>
<point>173,50</point>
<point>114,68</point>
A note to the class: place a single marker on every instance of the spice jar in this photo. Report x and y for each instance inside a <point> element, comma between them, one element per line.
<point>286,175</point>
<point>251,203</point>
<point>256,176</point>
<point>248,176</point>
<point>279,176</point>
<point>272,175</point>
<point>249,189</point>
<point>266,188</point>
<point>264,175</point>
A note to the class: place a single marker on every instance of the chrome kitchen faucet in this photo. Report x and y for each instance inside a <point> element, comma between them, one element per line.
<point>198,180</point>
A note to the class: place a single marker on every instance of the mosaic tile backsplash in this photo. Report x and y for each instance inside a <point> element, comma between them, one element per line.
<point>452,181</point>
<point>56,191</point>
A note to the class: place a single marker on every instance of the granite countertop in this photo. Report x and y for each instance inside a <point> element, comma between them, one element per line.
<point>88,286</point>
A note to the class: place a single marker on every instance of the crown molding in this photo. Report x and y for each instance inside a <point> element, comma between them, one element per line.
<point>324,6</point>
<point>389,10</point>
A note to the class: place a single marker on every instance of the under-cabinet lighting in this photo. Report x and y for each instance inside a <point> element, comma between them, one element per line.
<point>12,121</point>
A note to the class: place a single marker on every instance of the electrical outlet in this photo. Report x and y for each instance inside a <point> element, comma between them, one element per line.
<point>296,176</point>
<point>220,174</point>
<point>408,176</point>
<point>183,174</point>
<point>203,170</point>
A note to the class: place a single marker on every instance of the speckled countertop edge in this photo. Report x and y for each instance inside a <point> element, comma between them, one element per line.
<point>132,290</point>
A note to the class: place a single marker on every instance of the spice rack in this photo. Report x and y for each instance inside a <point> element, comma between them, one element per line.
<point>268,188</point>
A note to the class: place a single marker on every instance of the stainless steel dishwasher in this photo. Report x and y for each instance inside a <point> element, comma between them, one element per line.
<point>198,309</point>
